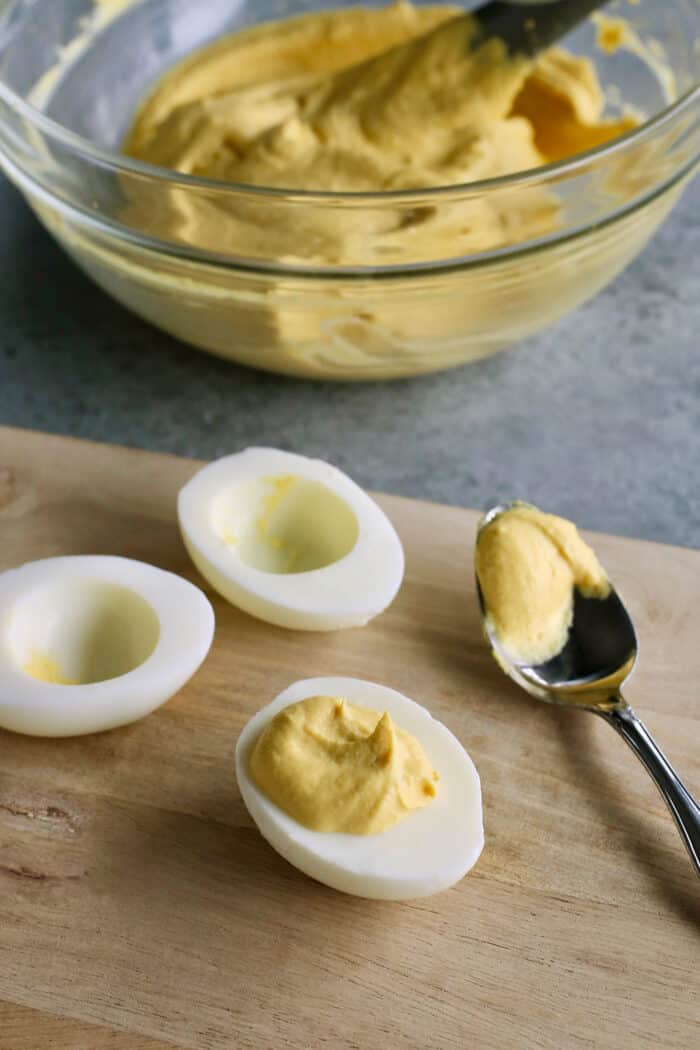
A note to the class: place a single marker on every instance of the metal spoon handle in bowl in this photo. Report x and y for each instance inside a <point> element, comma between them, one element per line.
<point>683,806</point>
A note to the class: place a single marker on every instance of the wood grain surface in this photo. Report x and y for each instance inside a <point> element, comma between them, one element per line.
<point>140,909</point>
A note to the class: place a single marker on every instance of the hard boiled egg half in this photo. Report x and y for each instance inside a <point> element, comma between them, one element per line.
<point>429,850</point>
<point>291,540</point>
<point>90,643</point>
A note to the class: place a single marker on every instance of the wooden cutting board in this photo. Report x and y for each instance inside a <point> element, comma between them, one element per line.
<point>140,909</point>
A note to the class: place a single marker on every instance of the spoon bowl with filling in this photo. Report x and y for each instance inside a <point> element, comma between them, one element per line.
<point>333,224</point>
<point>558,628</point>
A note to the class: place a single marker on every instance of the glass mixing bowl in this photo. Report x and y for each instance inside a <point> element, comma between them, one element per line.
<point>72,73</point>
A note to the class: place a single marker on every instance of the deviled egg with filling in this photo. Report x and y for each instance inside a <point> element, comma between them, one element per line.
<point>361,789</point>
<point>291,540</point>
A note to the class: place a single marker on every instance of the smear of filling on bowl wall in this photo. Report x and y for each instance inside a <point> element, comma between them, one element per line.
<point>364,99</point>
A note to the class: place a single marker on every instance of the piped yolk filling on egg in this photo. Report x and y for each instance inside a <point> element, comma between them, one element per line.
<point>337,767</point>
<point>528,564</point>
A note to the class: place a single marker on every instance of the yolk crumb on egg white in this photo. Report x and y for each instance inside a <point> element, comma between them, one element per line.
<point>291,540</point>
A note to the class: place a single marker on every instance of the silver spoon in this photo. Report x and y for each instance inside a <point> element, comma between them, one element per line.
<point>589,673</point>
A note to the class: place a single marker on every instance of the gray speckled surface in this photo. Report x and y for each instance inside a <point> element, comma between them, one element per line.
<point>598,418</point>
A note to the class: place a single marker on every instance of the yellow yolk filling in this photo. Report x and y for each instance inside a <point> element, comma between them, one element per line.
<point>337,767</point>
<point>367,99</point>
<point>528,564</point>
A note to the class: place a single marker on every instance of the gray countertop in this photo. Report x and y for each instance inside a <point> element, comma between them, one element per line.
<point>597,419</point>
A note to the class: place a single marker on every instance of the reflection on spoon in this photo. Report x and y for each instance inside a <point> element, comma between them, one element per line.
<point>588,669</point>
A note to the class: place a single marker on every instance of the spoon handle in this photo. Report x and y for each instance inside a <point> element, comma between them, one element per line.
<point>530,27</point>
<point>683,806</point>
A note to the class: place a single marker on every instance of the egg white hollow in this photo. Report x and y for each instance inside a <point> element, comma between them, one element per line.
<point>429,850</point>
<point>291,540</point>
<point>93,642</point>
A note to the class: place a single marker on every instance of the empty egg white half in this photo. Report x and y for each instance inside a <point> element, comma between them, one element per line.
<point>91,643</point>
<point>429,850</point>
<point>291,540</point>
